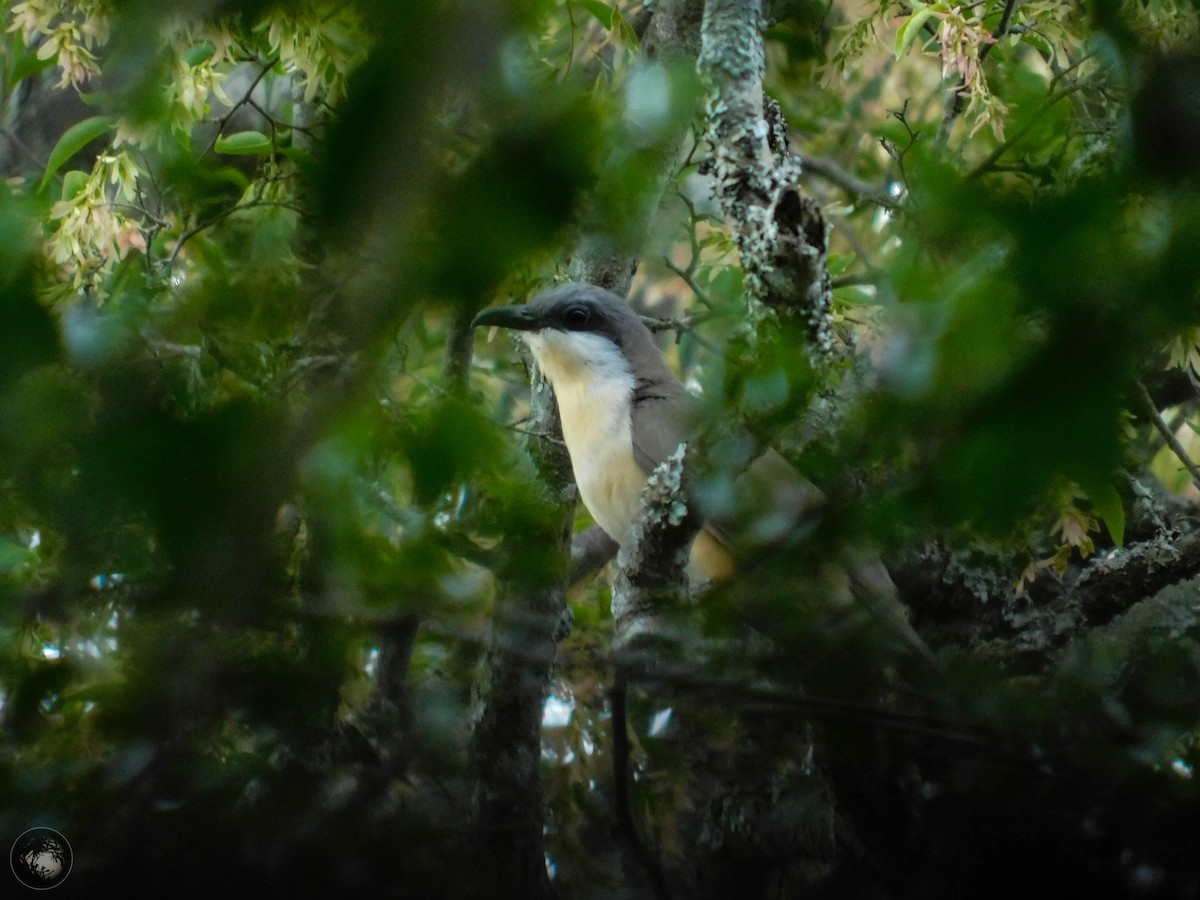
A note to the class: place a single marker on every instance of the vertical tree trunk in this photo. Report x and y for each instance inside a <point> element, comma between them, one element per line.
<point>506,745</point>
<point>781,235</point>
<point>672,37</point>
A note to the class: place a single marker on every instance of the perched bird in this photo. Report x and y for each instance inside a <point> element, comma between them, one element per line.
<point>623,412</point>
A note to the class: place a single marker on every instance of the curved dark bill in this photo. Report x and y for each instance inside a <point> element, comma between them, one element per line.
<point>521,318</point>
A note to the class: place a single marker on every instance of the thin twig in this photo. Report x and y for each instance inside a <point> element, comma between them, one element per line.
<point>848,182</point>
<point>954,103</point>
<point>681,326</point>
<point>637,668</point>
<point>246,98</point>
<point>896,152</point>
<point>855,279</point>
<point>690,281</point>
<point>1000,30</point>
<point>992,158</point>
<point>221,217</point>
<point>1156,419</point>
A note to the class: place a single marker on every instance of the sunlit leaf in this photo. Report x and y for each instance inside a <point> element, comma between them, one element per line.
<point>1110,508</point>
<point>603,12</point>
<point>244,143</point>
<point>15,558</point>
<point>73,184</point>
<point>75,139</point>
<point>911,27</point>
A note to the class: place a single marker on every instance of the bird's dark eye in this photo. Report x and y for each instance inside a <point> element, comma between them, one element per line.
<point>577,317</point>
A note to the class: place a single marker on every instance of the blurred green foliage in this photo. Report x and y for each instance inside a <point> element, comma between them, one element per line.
<point>235,471</point>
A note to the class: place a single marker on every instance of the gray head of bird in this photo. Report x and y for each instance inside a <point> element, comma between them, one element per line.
<point>580,331</point>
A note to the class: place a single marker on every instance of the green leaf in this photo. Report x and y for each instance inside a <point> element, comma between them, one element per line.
<point>199,53</point>
<point>624,30</point>
<point>1107,502</point>
<point>26,64</point>
<point>602,11</point>
<point>245,143</point>
<point>75,139</point>
<point>73,184</point>
<point>14,558</point>
<point>855,295</point>
<point>1040,43</point>
<point>840,262</point>
<point>908,32</point>
<point>300,156</point>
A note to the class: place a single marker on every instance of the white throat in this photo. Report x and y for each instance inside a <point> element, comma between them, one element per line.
<point>594,387</point>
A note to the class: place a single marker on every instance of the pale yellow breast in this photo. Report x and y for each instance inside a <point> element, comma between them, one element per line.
<point>594,389</point>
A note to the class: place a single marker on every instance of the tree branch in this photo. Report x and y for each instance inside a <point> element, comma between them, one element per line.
<point>853,185</point>
<point>650,578</point>
<point>671,36</point>
<point>460,350</point>
<point>954,103</point>
<point>246,99</point>
<point>992,158</point>
<point>1151,412</point>
<point>221,217</point>
<point>506,742</point>
<point>781,235</point>
<point>946,595</point>
<point>589,552</point>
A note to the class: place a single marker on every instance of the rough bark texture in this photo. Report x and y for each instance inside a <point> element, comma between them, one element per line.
<point>590,550</point>
<point>962,600</point>
<point>781,235</point>
<point>672,36</point>
<point>674,30</point>
<point>506,744</point>
<point>386,719</point>
<point>650,567</point>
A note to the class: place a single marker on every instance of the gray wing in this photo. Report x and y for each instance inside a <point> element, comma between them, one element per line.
<point>760,506</point>
<point>660,409</point>
<point>874,589</point>
<point>766,503</point>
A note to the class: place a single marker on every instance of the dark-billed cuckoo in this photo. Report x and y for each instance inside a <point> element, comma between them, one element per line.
<point>623,412</point>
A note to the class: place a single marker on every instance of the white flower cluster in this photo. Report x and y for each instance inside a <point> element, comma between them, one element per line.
<point>303,55</point>
<point>92,231</point>
<point>962,36</point>
<point>69,32</point>
<point>319,45</point>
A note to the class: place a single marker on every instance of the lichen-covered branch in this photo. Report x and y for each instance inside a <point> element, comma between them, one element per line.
<point>960,605</point>
<point>650,577</point>
<point>781,235</point>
